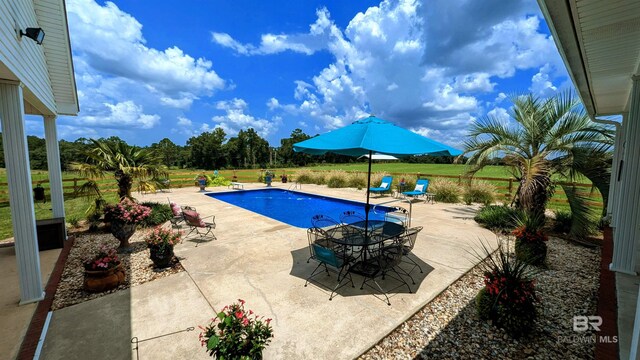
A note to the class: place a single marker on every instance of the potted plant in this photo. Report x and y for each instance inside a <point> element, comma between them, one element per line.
<point>268,177</point>
<point>160,242</point>
<point>236,333</point>
<point>202,181</point>
<point>283,178</point>
<point>103,271</point>
<point>124,218</point>
<point>508,298</point>
<point>531,240</point>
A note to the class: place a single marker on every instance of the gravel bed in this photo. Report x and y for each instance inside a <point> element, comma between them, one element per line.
<point>137,264</point>
<point>448,327</point>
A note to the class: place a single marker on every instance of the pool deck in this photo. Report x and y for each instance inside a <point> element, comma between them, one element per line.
<point>264,262</point>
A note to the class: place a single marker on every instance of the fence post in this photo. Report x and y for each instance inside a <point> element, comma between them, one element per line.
<point>459,179</point>
<point>510,186</point>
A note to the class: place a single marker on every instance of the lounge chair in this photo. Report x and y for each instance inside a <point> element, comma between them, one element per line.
<point>420,190</point>
<point>385,186</point>
<point>177,218</point>
<point>196,223</point>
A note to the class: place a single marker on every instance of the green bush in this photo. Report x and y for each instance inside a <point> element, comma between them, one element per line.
<point>563,221</point>
<point>484,304</point>
<point>304,177</point>
<point>160,213</point>
<point>219,181</point>
<point>497,217</point>
<point>480,192</point>
<point>534,253</point>
<point>319,178</point>
<point>445,191</point>
<point>357,180</point>
<point>73,220</point>
<point>337,179</point>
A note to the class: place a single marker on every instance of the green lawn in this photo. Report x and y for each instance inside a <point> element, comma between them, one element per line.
<point>76,208</point>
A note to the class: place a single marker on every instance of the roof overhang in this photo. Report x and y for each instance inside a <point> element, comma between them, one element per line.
<point>599,42</point>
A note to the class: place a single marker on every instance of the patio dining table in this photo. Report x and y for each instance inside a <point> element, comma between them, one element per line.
<point>378,232</point>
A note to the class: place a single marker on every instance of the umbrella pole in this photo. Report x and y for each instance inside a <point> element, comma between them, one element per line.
<point>367,207</point>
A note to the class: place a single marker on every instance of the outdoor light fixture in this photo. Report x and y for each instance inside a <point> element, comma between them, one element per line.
<point>36,34</point>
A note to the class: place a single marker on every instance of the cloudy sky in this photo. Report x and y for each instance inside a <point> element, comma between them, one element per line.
<point>145,72</point>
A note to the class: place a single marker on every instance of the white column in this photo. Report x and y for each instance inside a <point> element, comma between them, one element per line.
<point>16,156</point>
<point>53,163</point>
<point>628,211</point>
<point>618,151</point>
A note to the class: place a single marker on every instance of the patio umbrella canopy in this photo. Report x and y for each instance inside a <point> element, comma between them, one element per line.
<point>373,135</point>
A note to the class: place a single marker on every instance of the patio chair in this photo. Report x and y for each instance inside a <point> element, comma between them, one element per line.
<point>316,235</point>
<point>199,225</point>
<point>350,217</point>
<point>384,263</point>
<point>177,218</point>
<point>420,190</point>
<point>385,186</point>
<point>328,258</point>
<point>408,241</point>
<point>399,215</point>
<point>326,223</point>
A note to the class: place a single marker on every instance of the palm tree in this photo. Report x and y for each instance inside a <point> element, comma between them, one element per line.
<point>545,137</point>
<point>125,162</point>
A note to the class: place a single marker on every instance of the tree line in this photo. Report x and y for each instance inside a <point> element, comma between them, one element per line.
<point>209,150</point>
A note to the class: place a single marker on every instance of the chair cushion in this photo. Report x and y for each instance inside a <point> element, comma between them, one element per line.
<point>175,209</point>
<point>419,187</point>
<point>384,185</point>
<point>194,218</point>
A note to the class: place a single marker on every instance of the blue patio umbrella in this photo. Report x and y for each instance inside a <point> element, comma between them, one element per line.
<point>373,135</point>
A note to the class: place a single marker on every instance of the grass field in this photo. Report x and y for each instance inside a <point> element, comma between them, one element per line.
<point>76,208</point>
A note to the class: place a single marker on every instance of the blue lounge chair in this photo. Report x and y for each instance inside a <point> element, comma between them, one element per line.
<point>420,190</point>
<point>385,185</point>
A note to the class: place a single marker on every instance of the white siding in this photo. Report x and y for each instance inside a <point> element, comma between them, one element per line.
<point>52,17</point>
<point>24,58</point>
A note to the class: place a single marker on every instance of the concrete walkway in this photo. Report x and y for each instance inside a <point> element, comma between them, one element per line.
<point>262,261</point>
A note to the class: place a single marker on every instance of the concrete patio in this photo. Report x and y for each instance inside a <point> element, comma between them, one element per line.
<point>262,261</point>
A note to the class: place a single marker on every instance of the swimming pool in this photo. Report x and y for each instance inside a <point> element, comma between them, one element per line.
<point>293,207</point>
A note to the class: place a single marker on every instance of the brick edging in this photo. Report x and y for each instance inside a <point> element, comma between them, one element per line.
<point>607,303</point>
<point>30,341</point>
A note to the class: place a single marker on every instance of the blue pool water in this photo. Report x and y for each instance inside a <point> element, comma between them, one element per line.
<point>292,207</point>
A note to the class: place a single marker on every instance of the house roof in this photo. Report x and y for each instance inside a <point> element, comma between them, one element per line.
<point>52,17</point>
<point>599,42</point>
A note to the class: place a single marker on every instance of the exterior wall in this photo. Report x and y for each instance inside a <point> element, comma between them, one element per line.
<point>24,58</point>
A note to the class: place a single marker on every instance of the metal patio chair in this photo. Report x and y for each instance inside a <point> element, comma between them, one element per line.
<point>198,224</point>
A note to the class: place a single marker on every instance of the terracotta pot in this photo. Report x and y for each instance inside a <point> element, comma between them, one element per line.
<point>103,280</point>
<point>123,232</point>
<point>161,256</point>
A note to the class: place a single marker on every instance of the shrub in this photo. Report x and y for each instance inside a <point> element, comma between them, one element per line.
<point>479,192</point>
<point>319,178</point>
<point>508,298</point>
<point>304,177</point>
<point>357,180</point>
<point>337,179</point>
<point>530,239</point>
<point>497,217</point>
<point>563,221</point>
<point>73,221</point>
<point>219,181</point>
<point>160,213</point>
<point>445,191</point>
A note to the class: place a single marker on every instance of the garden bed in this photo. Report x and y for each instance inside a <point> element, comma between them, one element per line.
<point>448,327</point>
<point>138,266</point>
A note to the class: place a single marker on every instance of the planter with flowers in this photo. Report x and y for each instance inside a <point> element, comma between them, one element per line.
<point>236,333</point>
<point>161,242</point>
<point>103,271</point>
<point>531,240</point>
<point>124,218</point>
<point>509,298</point>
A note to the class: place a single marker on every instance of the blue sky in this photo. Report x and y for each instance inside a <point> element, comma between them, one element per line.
<point>149,70</point>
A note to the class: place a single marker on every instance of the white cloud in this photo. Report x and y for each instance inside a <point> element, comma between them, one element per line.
<point>499,114</point>
<point>541,84</point>
<point>305,43</point>
<point>422,65</point>
<point>121,115</point>
<point>235,119</point>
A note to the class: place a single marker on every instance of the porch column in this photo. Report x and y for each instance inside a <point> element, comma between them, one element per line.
<point>23,217</point>
<point>628,212</point>
<point>618,151</point>
<point>53,163</point>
